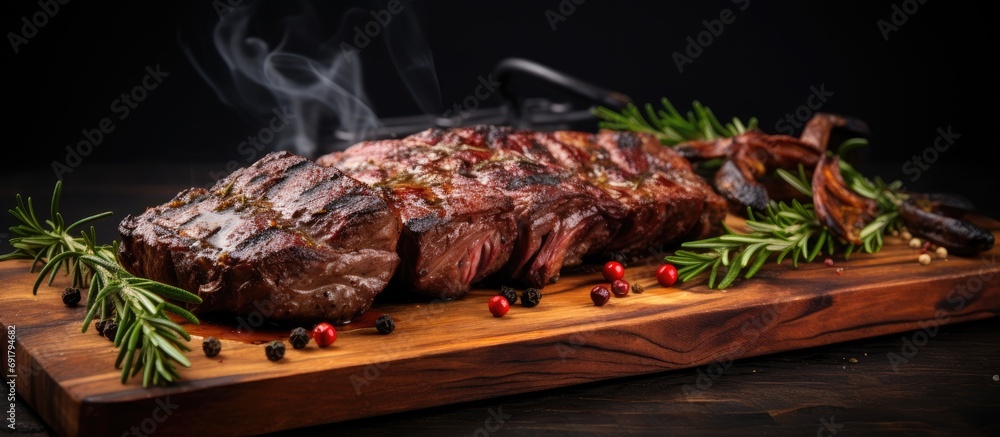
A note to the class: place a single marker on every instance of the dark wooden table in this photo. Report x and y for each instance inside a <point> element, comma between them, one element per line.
<point>948,386</point>
<point>941,381</point>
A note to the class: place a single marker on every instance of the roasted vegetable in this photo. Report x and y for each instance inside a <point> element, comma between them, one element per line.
<point>837,206</point>
<point>752,155</point>
<point>959,236</point>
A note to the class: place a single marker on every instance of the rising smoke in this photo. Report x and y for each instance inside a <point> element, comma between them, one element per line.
<point>264,55</point>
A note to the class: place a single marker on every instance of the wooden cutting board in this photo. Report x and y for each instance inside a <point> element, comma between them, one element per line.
<point>449,352</point>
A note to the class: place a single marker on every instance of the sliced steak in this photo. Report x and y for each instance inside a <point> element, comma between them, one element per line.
<point>573,193</point>
<point>686,205</point>
<point>560,215</point>
<point>664,199</point>
<point>456,231</point>
<point>283,237</point>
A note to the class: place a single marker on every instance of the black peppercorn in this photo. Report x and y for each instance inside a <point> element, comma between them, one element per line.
<point>275,350</point>
<point>111,329</point>
<point>212,346</point>
<point>99,326</point>
<point>71,296</point>
<point>299,338</point>
<point>530,297</point>
<point>509,293</point>
<point>385,324</point>
<point>638,288</point>
<point>620,258</point>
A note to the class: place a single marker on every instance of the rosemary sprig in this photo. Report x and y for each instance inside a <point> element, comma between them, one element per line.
<point>670,126</point>
<point>788,230</point>
<point>888,196</point>
<point>148,340</point>
<point>785,229</point>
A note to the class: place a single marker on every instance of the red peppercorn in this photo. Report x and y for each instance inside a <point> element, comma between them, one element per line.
<point>499,305</point>
<point>600,295</point>
<point>613,271</point>
<point>666,275</point>
<point>324,334</point>
<point>828,262</point>
<point>620,288</point>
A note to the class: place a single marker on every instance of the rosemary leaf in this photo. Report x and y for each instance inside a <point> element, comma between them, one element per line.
<point>788,230</point>
<point>138,305</point>
<point>670,126</point>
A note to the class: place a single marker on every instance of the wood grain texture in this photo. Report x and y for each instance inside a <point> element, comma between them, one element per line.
<point>443,353</point>
<point>852,388</point>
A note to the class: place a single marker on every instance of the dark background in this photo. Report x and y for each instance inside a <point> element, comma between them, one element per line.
<point>933,72</point>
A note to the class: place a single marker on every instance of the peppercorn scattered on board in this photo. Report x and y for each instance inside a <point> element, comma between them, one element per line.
<point>449,352</point>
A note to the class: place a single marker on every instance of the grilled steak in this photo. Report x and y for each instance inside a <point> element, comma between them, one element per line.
<point>559,215</point>
<point>573,193</point>
<point>455,230</point>
<point>285,237</point>
<point>300,241</point>
<point>663,197</point>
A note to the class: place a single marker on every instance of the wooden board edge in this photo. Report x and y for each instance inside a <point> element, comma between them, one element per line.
<point>620,349</point>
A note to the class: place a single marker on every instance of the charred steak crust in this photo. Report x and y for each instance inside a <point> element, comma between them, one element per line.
<point>664,199</point>
<point>561,216</point>
<point>573,194</point>
<point>456,231</point>
<point>283,237</point>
